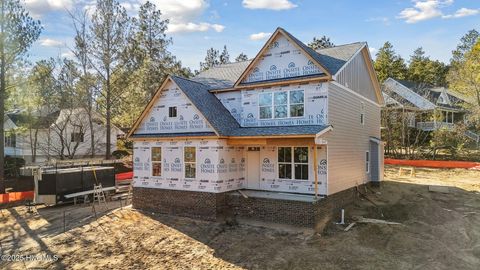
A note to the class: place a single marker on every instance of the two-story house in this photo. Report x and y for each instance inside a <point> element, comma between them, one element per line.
<point>426,107</point>
<point>294,130</point>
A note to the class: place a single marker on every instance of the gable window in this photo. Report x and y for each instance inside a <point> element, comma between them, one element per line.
<point>284,104</point>
<point>265,103</point>
<point>10,140</point>
<point>293,163</point>
<point>156,161</point>
<point>189,158</point>
<point>172,111</point>
<point>367,161</point>
<point>76,137</point>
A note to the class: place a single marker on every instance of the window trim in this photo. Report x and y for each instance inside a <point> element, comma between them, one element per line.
<point>367,161</point>
<point>189,162</point>
<point>10,139</point>
<point>292,163</point>
<point>156,161</point>
<point>288,104</point>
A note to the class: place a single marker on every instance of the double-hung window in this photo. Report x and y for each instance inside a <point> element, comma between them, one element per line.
<point>293,163</point>
<point>172,111</point>
<point>297,107</point>
<point>284,104</point>
<point>265,103</point>
<point>190,161</point>
<point>156,161</point>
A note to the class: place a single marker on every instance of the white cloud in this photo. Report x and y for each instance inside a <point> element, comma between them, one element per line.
<point>194,27</point>
<point>40,7</point>
<point>259,36</point>
<point>268,4</point>
<point>48,42</point>
<point>68,54</point>
<point>184,15</point>
<point>463,12</point>
<point>372,50</point>
<point>429,9</point>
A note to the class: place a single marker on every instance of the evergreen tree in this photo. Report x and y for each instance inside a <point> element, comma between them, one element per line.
<point>423,70</point>
<point>320,43</point>
<point>212,59</point>
<point>224,56</point>
<point>466,44</point>
<point>18,31</point>
<point>389,64</point>
<point>241,57</point>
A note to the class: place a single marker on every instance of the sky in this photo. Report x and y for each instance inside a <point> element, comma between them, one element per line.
<point>245,25</point>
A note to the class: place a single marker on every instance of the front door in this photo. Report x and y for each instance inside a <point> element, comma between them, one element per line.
<point>253,167</point>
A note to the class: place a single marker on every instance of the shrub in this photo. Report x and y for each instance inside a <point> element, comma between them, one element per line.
<point>12,165</point>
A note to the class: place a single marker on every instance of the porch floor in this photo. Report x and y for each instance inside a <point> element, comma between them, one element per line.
<point>279,195</point>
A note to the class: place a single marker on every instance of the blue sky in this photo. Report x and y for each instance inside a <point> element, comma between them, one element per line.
<point>244,25</point>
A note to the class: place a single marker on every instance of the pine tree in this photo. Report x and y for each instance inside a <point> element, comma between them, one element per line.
<point>320,43</point>
<point>18,31</point>
<point>224,56</point>
<point>211,60</point>
<point>241,57</point>
<point>389,64</point>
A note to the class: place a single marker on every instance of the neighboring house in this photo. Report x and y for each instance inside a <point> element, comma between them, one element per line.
<point>294,129</point>
<point>63,134</point>
<point>427,108</point>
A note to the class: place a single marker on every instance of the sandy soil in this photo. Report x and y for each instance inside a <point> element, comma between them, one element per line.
<point>438,231</point>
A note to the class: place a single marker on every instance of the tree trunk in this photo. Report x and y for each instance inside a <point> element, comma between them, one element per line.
<point>3,87</point>
<point>108,106</point>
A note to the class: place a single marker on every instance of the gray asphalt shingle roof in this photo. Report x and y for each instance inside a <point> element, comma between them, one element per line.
<point>277,130</point>
<point>333,59</point>
<point>167,135</point>
<point>210,107</point>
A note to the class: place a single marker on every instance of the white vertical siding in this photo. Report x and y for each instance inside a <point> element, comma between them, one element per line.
<point>356,77</point>
<point>349,139</point>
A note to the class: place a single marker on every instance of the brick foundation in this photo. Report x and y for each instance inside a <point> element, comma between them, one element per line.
<point>200,205</point>
<point>216,206</point>
<point>298,213</point>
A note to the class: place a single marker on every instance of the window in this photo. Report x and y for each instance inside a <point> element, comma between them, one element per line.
<point>190,162</point>
<point>285,162</point>
<point>295,158</point>
<point>367,161</point>
<point>296,103</point>
<point>300,159</point>
<point>172,111</point>
<point>265,103</point>
<point>281,104</point>
<point>10,140</point>
<point>156,161</point>
<point>76,137</point>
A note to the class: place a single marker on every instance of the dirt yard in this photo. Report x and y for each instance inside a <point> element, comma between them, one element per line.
<point>439,230</point>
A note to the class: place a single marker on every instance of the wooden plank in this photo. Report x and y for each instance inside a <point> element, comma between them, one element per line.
<point>247,142</point>
<point>315,169</point>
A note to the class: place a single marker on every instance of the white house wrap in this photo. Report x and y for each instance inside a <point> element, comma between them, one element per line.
<point>281,122</point>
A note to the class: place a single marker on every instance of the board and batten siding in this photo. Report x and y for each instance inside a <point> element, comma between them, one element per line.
<point>356,77</point>
<point>349,139</point>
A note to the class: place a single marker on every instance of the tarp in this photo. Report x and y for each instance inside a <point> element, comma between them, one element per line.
<point>434,163</point>
<point>16,196</point>
<point>124,176</point>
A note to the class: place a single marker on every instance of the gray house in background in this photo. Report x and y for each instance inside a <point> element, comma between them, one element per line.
<point>286,137</point>
<point>427,108</point>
